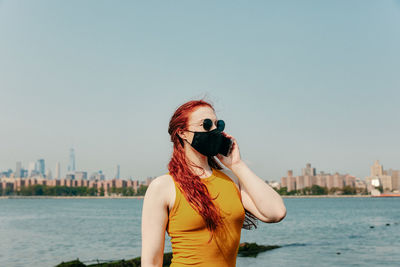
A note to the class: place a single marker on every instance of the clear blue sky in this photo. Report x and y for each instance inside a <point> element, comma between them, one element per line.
<point>295,81</point>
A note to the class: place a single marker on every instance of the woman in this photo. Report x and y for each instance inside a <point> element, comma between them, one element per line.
<point>201,206</point>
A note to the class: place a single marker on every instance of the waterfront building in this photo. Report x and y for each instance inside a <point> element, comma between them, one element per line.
<point>17,183</point>
<point>310,178</point>
<point>388,179</point>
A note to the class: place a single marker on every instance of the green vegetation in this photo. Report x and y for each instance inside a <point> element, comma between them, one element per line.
<point>320,190</point>
<point>6,191</point>
<point>124,191</point>
<point>348,190</point>
<point>142,190</point>
<point>44,190</point>
<point>101,191</point>
<point>245,250</point>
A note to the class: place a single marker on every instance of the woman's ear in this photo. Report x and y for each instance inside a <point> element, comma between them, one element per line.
<point>182,134</point>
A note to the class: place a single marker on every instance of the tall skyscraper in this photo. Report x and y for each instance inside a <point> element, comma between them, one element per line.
<point>117,172</point>
<point>31,168</point>
<point>18,169</point>
<point>71,166</point>
<point>41,167</point>
<point>376,169</point>
<point>58,171</point>
<point>49,174</point>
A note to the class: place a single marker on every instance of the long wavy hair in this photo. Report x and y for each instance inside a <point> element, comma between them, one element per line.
<point>194,190</point>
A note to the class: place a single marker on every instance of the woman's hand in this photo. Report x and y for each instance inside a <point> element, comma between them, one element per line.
<point>234,157</point>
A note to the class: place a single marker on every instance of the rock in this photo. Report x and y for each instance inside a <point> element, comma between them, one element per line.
<point>245,250</point>
<point>252,249</point>
<point>75,263</point>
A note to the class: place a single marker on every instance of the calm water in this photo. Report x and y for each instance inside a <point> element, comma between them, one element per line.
<point>44,232</point>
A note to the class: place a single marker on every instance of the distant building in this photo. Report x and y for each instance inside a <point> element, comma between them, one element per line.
<point>117,172</point>
<point>49,174</point>
<point>18,169</point>
<point>308,171</point>
<point>395,174</point>
<point>97,176</point>
<point>6,174</point>
<point>389,180</point>
<point>31,168</point>
<point>41,167</point>
<point>24,173</point>
<point>17,183</point>
<point>376,169</point>
<point>70,176</point>
<point>310,178</point>
<point>148,180</point>
<point>71,166</point>
<point>58,171</point>
<point>274,184</point>
<point>81,175</point>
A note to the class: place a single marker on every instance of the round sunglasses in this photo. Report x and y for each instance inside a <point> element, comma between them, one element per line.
<point>207,124</point>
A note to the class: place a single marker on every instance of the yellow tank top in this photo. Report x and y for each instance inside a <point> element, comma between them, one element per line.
<point>189,234</point>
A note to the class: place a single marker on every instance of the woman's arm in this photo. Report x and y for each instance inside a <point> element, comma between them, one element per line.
<point>247,202</point>
<point>257,196</point>
<point>154,221</point>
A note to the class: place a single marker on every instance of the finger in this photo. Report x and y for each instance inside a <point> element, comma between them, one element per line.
<point>233,140</point>
<point>227,135</point>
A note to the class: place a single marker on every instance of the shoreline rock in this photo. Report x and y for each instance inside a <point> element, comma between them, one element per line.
<point>245,250</point>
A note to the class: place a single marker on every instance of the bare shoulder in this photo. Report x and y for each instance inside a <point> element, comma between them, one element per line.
<point>163,188</point>
<point>231,175</point>
<point>161,180</point>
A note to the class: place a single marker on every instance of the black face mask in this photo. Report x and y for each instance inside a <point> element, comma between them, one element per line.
<point>207,143</point>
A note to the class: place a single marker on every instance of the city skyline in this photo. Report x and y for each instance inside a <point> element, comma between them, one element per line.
<point>309,182</point>
<point>39,167</point>
<point>294,81</point>
<point>307,171</point>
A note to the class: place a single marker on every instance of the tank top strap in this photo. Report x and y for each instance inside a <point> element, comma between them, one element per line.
<point>178,196</point>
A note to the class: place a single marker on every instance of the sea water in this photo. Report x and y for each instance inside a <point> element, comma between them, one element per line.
<point>315,232</point>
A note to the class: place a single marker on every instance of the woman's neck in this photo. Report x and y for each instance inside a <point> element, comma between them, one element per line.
<point>199,160</point>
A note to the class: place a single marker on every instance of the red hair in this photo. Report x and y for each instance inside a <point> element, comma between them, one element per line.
<point>194,190</point>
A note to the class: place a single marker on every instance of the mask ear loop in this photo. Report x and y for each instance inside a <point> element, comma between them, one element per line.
<point>187,141</point>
